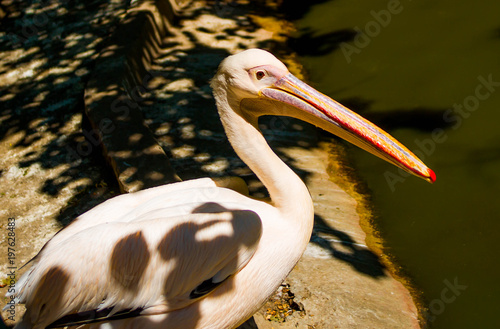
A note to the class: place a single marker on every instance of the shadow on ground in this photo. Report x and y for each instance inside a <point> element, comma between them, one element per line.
<point>51,69</point>
<point>48,52</point>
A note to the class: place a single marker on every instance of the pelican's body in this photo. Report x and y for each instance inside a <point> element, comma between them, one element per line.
<point>194,254</point>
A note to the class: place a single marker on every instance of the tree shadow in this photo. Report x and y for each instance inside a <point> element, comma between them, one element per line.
<point>418,118</point>
<point>58,45</point>
<point>130,257</point>
<point>48,49</point>
<point>307,43</point>
<point>187,124</point>
<point>297,9</point>
<point>359,257</point>
<point>181,112</point>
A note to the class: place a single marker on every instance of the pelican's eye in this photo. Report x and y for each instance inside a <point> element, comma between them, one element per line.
<point>260,74</point>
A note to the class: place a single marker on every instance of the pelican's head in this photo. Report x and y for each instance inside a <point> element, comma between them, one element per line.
<point>256,83</point>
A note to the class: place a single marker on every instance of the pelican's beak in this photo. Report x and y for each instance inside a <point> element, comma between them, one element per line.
<point>326,113</point>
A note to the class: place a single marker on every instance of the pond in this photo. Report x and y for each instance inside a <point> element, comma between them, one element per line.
<point>429,73</point>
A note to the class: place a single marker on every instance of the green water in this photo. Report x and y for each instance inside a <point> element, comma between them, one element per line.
<point>420,69</point>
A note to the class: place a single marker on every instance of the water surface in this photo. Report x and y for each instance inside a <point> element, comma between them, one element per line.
<point>428,72</point>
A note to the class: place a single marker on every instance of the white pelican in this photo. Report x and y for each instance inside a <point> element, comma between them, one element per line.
<point>193,254</point>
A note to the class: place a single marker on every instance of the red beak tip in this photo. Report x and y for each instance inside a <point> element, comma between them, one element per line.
<point>432,176</point>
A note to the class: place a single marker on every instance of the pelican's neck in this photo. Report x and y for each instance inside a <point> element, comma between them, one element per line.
<point>287,191</point>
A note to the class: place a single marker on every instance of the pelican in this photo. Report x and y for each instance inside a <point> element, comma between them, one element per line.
<point>194,254</point>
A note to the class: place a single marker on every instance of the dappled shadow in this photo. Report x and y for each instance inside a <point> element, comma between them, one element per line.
<point>181,111</point>
<point>43,100</point>
<point>47,52</point>
<point>224,238</point>
<point>421,119</point>
<point>186,122</point>
<point>308,43</point>
<point>359,257</point>
<point>297,9</point>
<point>418,118</point>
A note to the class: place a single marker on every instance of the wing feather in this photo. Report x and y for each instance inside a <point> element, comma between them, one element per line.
<point>151,263</point>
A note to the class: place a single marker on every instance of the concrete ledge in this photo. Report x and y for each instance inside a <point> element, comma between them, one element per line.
<point>114,90</point>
